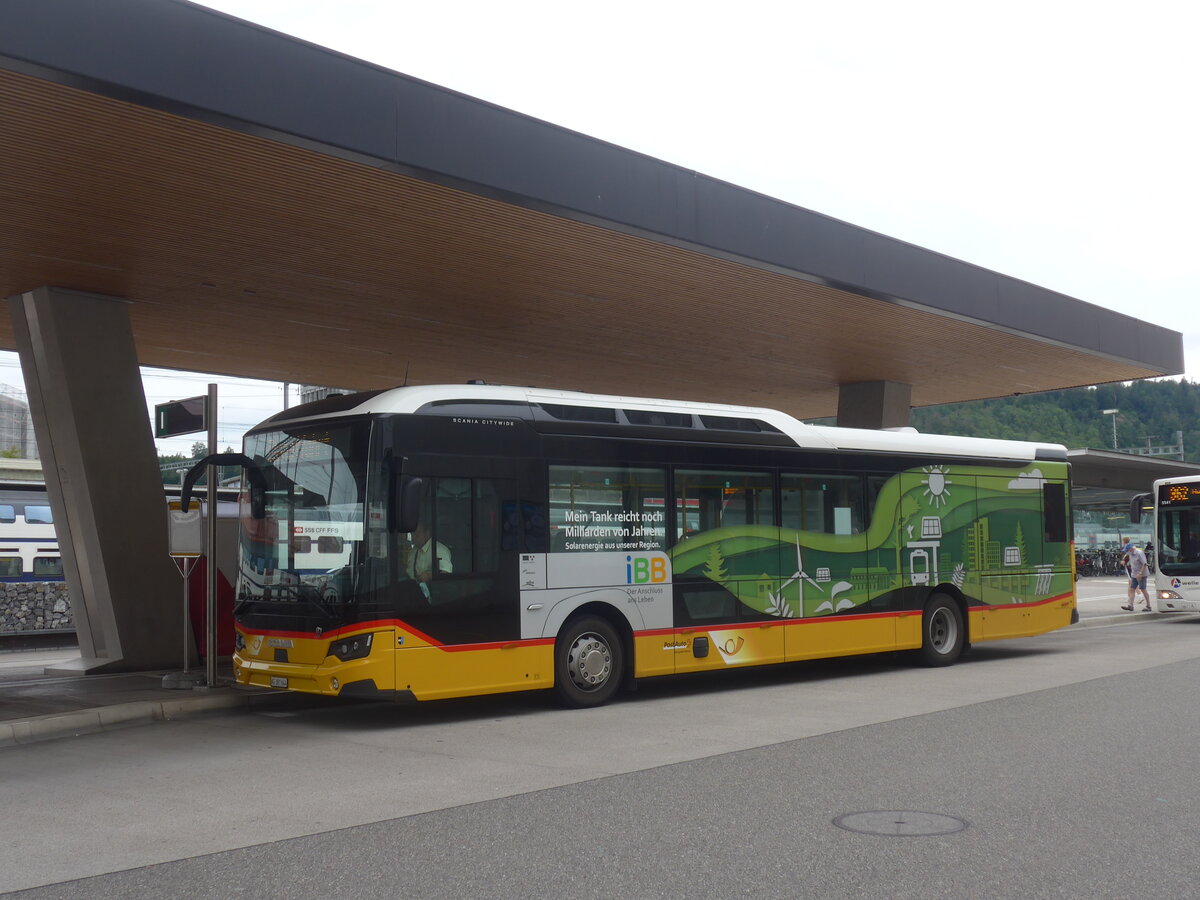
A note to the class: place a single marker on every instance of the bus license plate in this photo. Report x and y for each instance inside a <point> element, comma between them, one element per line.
<point>278,682</point>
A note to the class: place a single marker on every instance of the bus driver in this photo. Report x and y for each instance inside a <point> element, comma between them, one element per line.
<point>425,555</point>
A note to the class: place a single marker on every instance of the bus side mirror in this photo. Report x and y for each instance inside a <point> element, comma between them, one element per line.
<point>258,484</point>
<point>408,502</point>
<point>1136,505</point>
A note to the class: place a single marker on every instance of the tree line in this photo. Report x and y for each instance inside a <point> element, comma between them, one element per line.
<point>1148,412</point>
<point>174,466</point>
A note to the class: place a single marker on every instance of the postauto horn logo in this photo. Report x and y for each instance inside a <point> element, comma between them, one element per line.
<point>639,570</point>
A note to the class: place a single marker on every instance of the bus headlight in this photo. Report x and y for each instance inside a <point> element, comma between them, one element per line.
<point>349,648</point>
<point>1168,595</point>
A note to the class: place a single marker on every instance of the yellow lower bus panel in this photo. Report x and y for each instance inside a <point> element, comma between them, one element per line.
<point>432,673</point>
<point>989,623</point>
<point>391,659</point>
<point>395,661</point>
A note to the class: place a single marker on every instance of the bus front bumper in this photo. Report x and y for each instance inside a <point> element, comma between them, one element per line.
<point>1170,601</point>
<point>357,678</point>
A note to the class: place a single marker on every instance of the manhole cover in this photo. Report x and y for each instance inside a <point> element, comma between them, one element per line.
<point>903,823</point>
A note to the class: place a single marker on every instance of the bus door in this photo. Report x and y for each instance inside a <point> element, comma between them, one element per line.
<point>726,570</point>
<point>1020,547</point>
<point>457,570</point>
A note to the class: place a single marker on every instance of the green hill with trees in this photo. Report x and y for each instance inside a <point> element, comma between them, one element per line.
<point>1149,412</point>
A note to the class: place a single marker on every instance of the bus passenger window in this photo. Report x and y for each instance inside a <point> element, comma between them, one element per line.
<point>10,567</point>
<point>533,522</point>
<point>831,504</point>
<point>8,514</point>
<point>1054,507</point>
<point>875,484</point>
<point>488,526</point>
<point>452,525</point>
<point>38,515</point>
<point>461,528</point>
<point>705,500</point>
<point>601,508</point>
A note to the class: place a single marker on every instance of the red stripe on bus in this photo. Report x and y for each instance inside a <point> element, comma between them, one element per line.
<point>779,623</point>
<point>986,606</point>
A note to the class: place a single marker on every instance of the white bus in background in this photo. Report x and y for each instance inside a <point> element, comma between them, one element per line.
<point>1175,506</point>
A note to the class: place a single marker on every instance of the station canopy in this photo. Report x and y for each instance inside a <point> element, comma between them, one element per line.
<point>272,209</point>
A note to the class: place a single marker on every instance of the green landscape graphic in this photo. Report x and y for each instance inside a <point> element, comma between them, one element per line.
<point>978,528</point>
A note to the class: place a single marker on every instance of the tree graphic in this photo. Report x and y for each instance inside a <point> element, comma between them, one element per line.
<point>714,568</point>
<point>1021,544</point>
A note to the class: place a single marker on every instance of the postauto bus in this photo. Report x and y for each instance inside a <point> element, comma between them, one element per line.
<point>497,539</point>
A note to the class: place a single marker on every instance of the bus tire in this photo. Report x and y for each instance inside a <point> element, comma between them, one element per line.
<point>588,662</point>
<point>943,632</point>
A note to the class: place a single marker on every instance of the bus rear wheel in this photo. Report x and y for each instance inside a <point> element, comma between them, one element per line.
<point>943,632</point>
<point>588,662</point>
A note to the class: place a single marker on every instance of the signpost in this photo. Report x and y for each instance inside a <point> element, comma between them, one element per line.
<point>185,536</point>
<point>180,417</point>
<point>187,417</point>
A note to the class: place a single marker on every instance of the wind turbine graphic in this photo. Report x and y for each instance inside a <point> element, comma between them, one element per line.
<point>800,575</point>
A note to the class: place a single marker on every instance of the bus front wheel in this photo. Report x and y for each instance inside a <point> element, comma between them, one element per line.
<point>943,632</point>
<point>588,662</point>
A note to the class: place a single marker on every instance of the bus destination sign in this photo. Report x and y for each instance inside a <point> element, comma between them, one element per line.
<point>1186,494</point>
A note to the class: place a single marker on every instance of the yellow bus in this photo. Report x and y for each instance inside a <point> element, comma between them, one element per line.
<point>494,539</point>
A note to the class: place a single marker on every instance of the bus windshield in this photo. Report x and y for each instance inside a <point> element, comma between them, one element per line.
<point>1178,549</point>
<point>299,559</point>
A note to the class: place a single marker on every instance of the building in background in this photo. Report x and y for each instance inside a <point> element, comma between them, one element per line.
<point>311,392</point>
<point>16,425</point>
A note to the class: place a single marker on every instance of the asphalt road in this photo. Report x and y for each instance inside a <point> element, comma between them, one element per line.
<point>1065,761</point>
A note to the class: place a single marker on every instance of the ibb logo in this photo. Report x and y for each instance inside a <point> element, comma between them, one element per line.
<point>645,571</point>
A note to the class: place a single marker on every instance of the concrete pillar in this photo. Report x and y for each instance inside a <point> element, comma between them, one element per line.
<point>874,404</point>
<point>93,431</point>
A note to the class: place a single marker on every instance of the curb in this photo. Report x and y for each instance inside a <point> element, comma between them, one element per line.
<point>1122,618</point>
<point>138,712</point>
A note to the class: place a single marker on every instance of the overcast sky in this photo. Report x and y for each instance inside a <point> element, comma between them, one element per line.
<point>1055,142</point>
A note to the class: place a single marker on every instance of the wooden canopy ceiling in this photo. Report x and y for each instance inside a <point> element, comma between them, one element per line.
<point>245,255</point>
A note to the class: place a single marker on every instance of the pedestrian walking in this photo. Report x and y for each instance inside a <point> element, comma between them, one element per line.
<point>1138,571</point>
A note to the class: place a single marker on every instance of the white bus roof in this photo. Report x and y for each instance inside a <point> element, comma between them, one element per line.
<point>419,398</point>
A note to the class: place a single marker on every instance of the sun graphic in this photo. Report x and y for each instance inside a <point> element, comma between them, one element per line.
<point>937,485</point>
